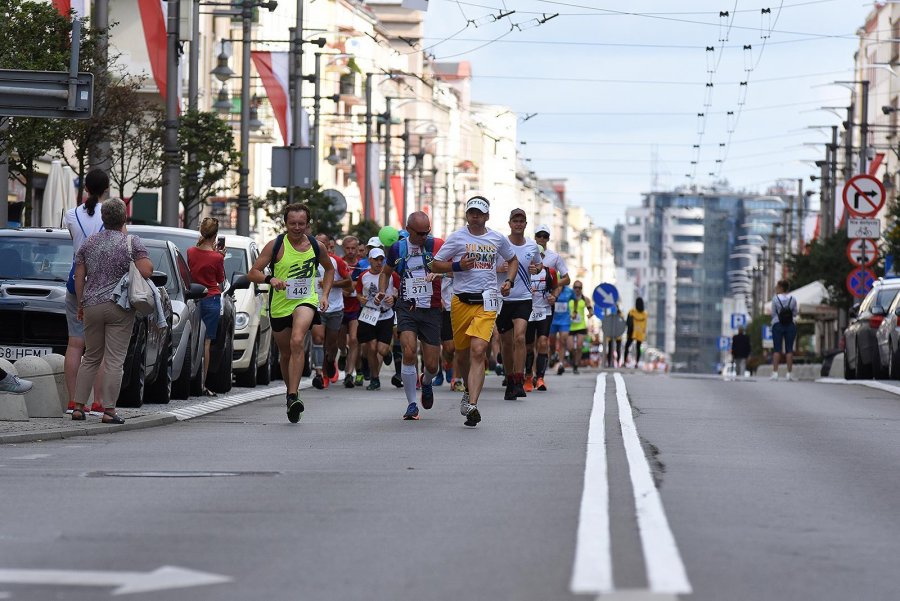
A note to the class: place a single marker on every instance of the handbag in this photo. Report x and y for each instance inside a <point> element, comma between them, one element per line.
<point>140,294</point>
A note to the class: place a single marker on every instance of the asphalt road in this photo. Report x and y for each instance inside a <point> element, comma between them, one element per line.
<point>768,491</point>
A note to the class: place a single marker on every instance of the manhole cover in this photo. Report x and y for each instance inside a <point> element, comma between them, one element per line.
<point>177,474</point>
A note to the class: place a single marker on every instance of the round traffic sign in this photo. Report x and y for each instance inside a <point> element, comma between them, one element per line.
<point>862,252</point>
<point>864,195</point>
<point>859,281</point>
<point>606,296</point>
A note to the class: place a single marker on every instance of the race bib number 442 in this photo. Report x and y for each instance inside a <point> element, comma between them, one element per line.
<point>298,288</point>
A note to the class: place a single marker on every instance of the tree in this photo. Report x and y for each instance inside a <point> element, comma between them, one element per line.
<point>324,220</point>
<point>207,149</point>
<point>364,230</point>
<point>826,260</point>
<point>135,137</point>
<point>890,241</point>
<point>36,37</point>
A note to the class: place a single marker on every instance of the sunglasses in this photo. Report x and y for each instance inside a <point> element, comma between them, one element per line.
<point>576,287</point>
<point>542,235</point>
<point>425,233</point>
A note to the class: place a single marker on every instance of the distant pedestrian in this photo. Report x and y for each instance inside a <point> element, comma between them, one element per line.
<point>617,326</point>
<point>784,328</point>
<point>82,222</point>
<point>99,266</point>
<point>13,383</point>
<point>740,351</point>
<point>636,328</point>
<point>579,309</point>
<point>206,261</point>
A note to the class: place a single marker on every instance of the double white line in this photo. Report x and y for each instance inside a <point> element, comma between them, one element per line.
<point>592,572</point>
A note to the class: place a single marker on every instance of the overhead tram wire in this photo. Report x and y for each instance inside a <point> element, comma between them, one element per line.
<point>683,13</point>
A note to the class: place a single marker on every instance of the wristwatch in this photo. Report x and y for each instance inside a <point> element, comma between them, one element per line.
<point>511,282</point>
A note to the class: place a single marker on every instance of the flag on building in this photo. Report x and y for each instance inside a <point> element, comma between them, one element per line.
<point>66,6</point>
<point>275,75</point>
<point>153,21</point>
<point>372,204</point>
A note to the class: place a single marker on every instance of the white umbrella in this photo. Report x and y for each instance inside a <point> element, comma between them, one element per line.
<point>70,199</point>
<point>54,196</point>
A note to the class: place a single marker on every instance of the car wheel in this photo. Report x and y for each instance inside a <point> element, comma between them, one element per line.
<point>181,388</point>
<point>221,381</point>
<point>160,391</point>
<point>133,394</point>
<point>248,377</point>
<point>863,371</point>
<point>849,374</point>
<point>197,382</point>
<point>264,371</point>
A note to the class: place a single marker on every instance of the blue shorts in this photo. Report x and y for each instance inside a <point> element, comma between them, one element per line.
<point>210,307</point>
<point>556,328</point>
<point>783,333</point>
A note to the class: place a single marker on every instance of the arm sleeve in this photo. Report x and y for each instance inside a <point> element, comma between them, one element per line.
<point>359,286</point>
<point>79,256</point>
<point>342,269</point>
<point>138,250</point>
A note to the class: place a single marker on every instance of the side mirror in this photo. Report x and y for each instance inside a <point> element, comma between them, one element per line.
<point>878,310</point>
<point>159,279</point>
<point>897,311</point>
<point>195,292</point>
<point>239,282</point>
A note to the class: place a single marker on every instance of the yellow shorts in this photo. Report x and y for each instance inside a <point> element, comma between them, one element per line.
<point>470,321</point>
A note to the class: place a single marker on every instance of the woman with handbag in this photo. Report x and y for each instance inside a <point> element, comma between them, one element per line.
<point>100,264</point>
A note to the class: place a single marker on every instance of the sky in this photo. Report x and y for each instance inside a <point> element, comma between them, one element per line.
<point>608,92</point>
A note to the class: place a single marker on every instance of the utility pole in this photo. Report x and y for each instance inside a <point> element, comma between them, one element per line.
<point>801,208</point>
<point>387,161</point>
<point>192,211</point>
<point>297,107</point>
<point>848,143</point>
<point>4,174</point>
<point>405,163</point>
<point>243,203</point>
<point>832,179</point>
<point>864,128</point>
<point>317,111</point>
<point>100,18</point>
<point>172,177</point>
<point>367,185</point>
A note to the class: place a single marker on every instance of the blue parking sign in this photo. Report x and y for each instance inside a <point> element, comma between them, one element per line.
<point>767,332</point>
<point>724,343</point>
<point>738,320</point>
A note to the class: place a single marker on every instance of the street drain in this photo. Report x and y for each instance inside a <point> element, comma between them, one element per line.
<point>178,474</point>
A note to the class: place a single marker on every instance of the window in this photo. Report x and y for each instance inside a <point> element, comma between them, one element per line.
<point>689,221</point>
<point>633,220</point>
<point>634,237</point>
<point>634,255</point>
<point>683,238</point>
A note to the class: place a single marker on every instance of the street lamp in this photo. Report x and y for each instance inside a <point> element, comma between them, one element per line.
<point>222,72</point>
<point>223,102</point>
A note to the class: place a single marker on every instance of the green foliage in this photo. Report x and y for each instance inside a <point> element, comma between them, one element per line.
<point>826,260</point>
<point>890,240</point>
<point>324,220</point>
<point>365,229</point>
<point>207,150</point>
<point>135,138</point>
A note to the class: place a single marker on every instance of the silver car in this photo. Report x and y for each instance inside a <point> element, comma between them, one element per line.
<point>864,356</point>
<point>887,336</point>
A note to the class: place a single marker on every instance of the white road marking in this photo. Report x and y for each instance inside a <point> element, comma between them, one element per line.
<point>665,570</point>
<point>34,456</point>
<point>592,572</point>
<point>166,577</point>
<point>231,401</point>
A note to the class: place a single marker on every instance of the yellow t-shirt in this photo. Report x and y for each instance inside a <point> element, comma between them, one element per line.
<point>639,325</point>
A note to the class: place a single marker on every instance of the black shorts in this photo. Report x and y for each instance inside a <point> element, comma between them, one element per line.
<point>382,331</point>
<point>536,329</point>
<point>446,327</point>
<point>582,332</point>
<point>282,323</point>
<point>426,323</point>
<point>516,309</point>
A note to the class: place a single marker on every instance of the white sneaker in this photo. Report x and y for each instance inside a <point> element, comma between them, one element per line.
<point>788,377</point>
<point>774,375</point>
<point>15,385</point>
<point>464,406</point>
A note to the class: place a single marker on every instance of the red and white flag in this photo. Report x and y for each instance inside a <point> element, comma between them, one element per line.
<point>153,21</point>
<point>275,74</point>
<point>65,6</point>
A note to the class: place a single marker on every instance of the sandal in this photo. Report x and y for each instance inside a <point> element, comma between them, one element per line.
<point>78,415</point>
<point>111,418</point>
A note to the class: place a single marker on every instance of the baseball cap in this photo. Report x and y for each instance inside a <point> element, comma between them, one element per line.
<point>542,228</point>
<point>517,212</point>
<point>477,200</point>
<point>376,253</point>
<point>374,241</point>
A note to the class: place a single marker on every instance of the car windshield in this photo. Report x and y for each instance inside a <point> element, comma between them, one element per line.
<point>35,258</point>
<point>886,296</point>
<point>182,241</point>
<point>162,261</point>
<point>235,262</point>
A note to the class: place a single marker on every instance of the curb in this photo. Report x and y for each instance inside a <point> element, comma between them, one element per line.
<point>867,383</point>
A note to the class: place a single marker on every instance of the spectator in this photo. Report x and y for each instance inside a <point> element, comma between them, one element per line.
<point>100,264</point>
<point>83,221</point>
<point>636,328</point>
<point>784,328</point>
<point>206,261</point>
<point>740,351</point>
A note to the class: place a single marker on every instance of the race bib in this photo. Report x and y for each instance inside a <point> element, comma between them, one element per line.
<point>536,284</point>
<point>561,307</point>
<point>577,318</point>
<point>537,315</point>
<point>491,300</point>
<point>369,315</point>
<point>419,289</point>
<point>298,288</point>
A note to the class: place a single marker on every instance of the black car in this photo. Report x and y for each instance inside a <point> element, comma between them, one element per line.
<point>219,376</point>
<point>34,267</point>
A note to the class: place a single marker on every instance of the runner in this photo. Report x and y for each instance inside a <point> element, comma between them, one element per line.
<point>512,322</point>
<point>376,320</point>
<point>579,309</point>
<point>294,304</point>
<point>538,331</point>
<point>562,321</point>
<point>325,335</point>
<point>418,309</point>
<point>472,254</point>
<point>448,351</point>
<point>554,261</point>
<point>352,308</point>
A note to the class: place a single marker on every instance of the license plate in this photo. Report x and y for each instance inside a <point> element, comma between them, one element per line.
<point>12,353</point>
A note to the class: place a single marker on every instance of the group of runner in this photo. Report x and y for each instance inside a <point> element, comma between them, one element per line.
<point>438,301</point>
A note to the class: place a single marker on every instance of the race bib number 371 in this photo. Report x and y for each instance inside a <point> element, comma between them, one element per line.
<point>298,288</point>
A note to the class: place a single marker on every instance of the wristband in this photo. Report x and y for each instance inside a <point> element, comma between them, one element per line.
<point>457,266</point>
<point>511,282</point>
<point>269,278</point>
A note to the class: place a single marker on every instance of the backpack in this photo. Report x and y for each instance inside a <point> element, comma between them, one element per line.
<point>403,252</point>
<point>279,242</point>
<point>785,315</point>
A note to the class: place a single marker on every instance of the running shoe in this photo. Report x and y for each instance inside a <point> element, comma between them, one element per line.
<point>438,379</point>
<point>397,381</point>
<point>529,384</point>
<point>510,393</point>
<point>472,416</point>
<point>342,361</point>
<point>336,376</point>
<point>540,384</point>
<point>498,369</point>
<point>326,382</point>
<point>575,370</point>
<point>374,384</point>
<point>449,374</point>
<point>505,381</point>
<point>464,404</point>
<point>560,370</point>
<point>317,382</point>
<point>360,379</point>
<point>294,408</point>
<point>788,377</point>
<point>16,385</point>
<point>459,386</point>
<point>427,397</point>
<point>388,358</point>
<point>412,412</point>
<point>348,381</point>
<point>519,390</point>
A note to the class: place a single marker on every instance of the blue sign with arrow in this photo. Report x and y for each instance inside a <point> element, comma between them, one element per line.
<point>606,296</point>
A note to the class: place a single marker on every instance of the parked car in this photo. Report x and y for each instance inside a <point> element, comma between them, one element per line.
<point>888,339</point>
<point>34,267</point>
<point>252,360</point>
<point>219,375</point>
<point>864,357</point>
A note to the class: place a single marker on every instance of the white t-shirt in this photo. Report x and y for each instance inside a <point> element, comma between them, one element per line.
<point>785,301</point>
<point>446,291</point>
<point>553,260</point>
<point>488,249</point>
<point>336,296</point>
<point>81,225</point>
<point>539,291</point>
<point>528,254</point>
<point>367,286</point>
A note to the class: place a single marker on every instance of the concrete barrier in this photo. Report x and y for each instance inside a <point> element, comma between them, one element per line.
<point>57,366</point>
<point>807,371</point>
<point>837,366</point>
<point>12,406</point>
<point>43,399</point>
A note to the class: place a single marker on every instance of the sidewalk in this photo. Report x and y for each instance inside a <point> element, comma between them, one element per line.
<point>148,416</point>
